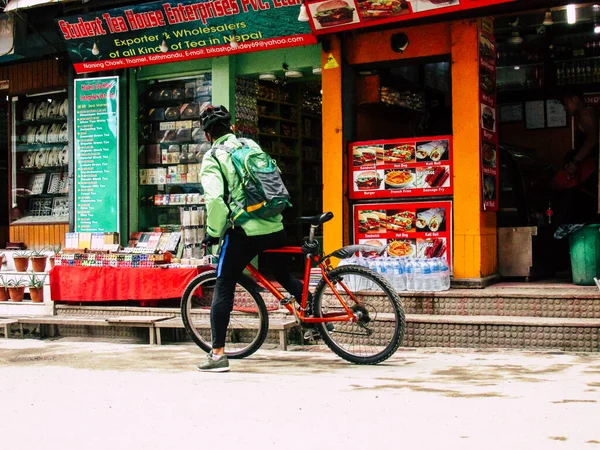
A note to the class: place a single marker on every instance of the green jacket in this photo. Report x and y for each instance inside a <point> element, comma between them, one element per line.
<point>211,177</point>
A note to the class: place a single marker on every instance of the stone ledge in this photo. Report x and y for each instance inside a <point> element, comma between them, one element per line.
<point>503,320</point>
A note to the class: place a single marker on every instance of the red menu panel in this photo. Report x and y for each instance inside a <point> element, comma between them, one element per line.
<point>488,110</point>
<point>332,16</point>
<point>414,229</point>
<point>401,168</point>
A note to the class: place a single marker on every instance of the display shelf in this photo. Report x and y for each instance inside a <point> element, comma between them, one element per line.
<point>521,65</point>
<point>170,159</point>
<point>39,146</point>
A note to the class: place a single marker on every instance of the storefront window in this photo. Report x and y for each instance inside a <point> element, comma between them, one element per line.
<point>171,146</point>
<point>396,101</point>
<point>40,183</point>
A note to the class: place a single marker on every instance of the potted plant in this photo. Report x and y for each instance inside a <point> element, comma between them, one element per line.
<point>16,290</point>
<point>21,260</point>
<point>36,288</point>
<point>55,251</point>
<point>38,260</point>
<point>3,291</point>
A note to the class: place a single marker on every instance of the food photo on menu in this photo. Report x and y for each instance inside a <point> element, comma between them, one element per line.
<point>431,247</point>
<point>368,180</point>
<point>400,221</point>
<point>488,154</point>
<point>364,156</point>
<point>371,222</point>
<point>372,243</point>
<point>488,118</point>
<point>426,5</point>
<point>333,13</point>
<point>381,9</point>
<point>398,153</point>
<point>400,178</point>
<point>432,151</point>
<point>431,220</point>
<point>489,187</point>
<point>487,49</point>
<point>433,177</point>
<point>402,247</point>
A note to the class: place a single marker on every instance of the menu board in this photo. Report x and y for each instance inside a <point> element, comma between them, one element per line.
<point>412,229</point>
<point>401,168</point>
<point>333,16</point>
<point>488,123</point>
<point>96,154</point>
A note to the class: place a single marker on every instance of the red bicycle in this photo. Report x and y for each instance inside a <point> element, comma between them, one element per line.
<point>355,310</point>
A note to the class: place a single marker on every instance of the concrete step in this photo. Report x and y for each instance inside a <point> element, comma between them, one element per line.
<point>547,301</point>
<point>567,334</point>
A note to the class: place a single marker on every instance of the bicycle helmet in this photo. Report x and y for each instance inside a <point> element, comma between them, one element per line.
<point>214,114</point>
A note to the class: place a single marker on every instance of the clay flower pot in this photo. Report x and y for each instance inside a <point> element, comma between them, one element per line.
<point>51,260</point>
<point>21,263</point>
<point>36,294</point>
<point>16,293</point>
<point>3,294</point>
<point>38,263</point>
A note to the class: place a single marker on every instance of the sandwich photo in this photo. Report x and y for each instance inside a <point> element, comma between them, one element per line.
<point>487,118</point>
<point>362,156</point>
<point>368,180</point>
<point>375,9</point>
<point>333,13</point>
<point>368,221</point>
<point>487,48</point>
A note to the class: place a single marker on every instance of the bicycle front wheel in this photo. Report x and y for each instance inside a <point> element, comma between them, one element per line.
<point>378,331</point>
<point>248,325</point>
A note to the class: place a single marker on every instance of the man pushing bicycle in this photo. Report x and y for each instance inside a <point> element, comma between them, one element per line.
<point>243,232</point>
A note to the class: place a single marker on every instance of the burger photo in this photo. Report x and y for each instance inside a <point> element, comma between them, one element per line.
<point>374,9</point>
<point>333,13</point>
<point>362,156</point>
<point>487,118</point>
<point>368,180</point>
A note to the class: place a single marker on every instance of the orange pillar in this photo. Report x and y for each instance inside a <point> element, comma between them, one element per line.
<point>475,244</point>
<point>333,144</point>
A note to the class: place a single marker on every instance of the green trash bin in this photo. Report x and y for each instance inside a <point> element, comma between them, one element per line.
<point>585,254</point>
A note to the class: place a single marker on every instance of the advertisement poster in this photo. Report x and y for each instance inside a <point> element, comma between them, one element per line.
<point>96,154</point>
<point>331,16</point>
<point>401,168</point>
<point>488,123</point>
<point>172,31</point>
<point>413,229</point>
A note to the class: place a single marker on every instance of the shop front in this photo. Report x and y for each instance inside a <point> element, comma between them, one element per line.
<point>141,179</point>
<point>427,152</point>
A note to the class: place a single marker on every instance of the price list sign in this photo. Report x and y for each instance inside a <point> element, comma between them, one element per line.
<point>96,154</point>
<point>401,168</point>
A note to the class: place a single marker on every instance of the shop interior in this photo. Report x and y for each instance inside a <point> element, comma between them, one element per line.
<point>281,110</point>
<point>542,56</point>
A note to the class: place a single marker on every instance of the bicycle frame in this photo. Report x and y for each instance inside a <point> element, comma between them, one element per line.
<point>348,316</point>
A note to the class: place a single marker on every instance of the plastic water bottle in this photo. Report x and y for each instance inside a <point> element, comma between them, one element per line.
<point>418,275</point>
<point>399,280</point>
<point>445,274</point>
<point>436,280</point>
<point>409,270</point>
<point>427,283</point>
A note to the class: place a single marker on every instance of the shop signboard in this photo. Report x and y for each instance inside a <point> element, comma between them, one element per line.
<point>331,16</point>
<point>96,154</point>
<point>401,168</point>
<point>412,229</point>
<point>488,123</point>
<point>172,31</point>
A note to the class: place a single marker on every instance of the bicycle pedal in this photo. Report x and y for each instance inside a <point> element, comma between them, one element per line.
<point>287,301</point>
<point>311,336</point>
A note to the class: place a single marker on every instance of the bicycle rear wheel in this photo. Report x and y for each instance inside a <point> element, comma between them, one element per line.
<point>380,325</point>
<point>249,323</point>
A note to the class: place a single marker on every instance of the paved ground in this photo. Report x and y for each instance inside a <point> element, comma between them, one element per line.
<point>68,394</point>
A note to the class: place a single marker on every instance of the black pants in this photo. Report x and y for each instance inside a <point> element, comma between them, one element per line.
<point>237,251</point>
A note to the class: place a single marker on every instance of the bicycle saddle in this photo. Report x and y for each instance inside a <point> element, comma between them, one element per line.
<point>318,219</point>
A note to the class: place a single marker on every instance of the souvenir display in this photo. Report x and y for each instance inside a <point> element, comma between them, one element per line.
<point>42,135</point>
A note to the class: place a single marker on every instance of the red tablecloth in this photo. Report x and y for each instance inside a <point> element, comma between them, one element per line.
<point>95,284</point>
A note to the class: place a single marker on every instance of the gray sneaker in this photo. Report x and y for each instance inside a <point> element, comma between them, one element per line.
<point>215,365</point>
